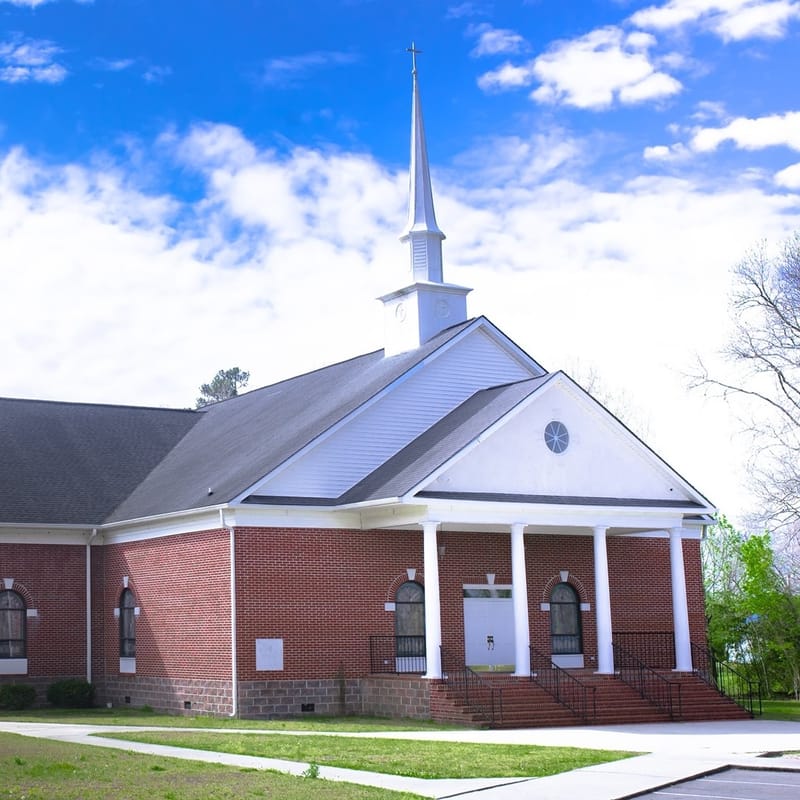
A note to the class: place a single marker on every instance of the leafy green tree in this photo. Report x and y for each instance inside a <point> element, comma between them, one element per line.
<point>772,616</point>
<point>722,576</point>
<point>225,384</point>
<point>752,607</point>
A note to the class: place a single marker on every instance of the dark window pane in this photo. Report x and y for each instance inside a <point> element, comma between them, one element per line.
<point>565,620</point>
<point>127,624</point>
<point>409,619</point>
<point>12,625</point>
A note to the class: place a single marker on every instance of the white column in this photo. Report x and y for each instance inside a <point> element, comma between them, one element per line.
<point>602,600</point>
<point>680,608</point>
<point>519,599</point>
<point>433,613</point>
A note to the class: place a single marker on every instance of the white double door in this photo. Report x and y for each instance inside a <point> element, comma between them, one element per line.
<point>489,632</point>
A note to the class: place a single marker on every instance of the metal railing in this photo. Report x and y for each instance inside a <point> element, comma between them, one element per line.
<point>397,654</point>
<point>727,680</point>
<point>654,648</point>
<point>664,694</point>
<point>477,694</point>
<point>566,688</point>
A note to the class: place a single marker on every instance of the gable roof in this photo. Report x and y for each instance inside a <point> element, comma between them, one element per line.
<point>238,441</point>
<point>85,464</point>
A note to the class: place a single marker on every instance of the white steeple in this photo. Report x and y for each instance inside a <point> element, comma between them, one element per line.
<point>418,312</point>
<point>421,232</point>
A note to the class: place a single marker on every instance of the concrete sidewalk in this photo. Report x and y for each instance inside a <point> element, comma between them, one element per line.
<point>673,752</point>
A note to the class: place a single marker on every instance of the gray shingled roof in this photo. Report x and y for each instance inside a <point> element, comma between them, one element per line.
<point>74,463</point>
<point>237,442</point>
<point>87,464</point>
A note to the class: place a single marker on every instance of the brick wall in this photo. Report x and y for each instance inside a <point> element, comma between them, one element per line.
<point>181,585</point>
<point>322,592</point>
<point>52,580</point>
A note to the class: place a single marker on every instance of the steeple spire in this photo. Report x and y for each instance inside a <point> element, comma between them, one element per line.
<point>421,231</point>
<point>417,312</point>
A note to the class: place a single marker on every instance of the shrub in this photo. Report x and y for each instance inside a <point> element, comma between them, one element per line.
<point>16,696</point>
<point>71,693</point>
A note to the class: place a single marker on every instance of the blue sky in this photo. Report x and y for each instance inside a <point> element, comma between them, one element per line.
<point>189,185</point>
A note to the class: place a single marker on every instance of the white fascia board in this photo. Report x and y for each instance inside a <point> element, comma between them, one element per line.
<point>481,323</point>
<point>641,521</point>
<point>43,534</point>
<point>539,514</point>
<point>485,434</point>
<point>294,517</point>
<point>163,525</point>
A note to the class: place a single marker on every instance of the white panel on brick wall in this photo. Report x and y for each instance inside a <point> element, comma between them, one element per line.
<point>269,655</point>
<point>601,459</point>
<point>385,427</point>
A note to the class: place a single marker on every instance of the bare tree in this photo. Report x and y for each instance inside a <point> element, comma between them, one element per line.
<point>765,351</point>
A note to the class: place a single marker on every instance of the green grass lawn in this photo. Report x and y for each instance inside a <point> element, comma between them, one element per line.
<point>137,716</point>
<point>36,769</point>
<point>781,709</point>
<point>414,758</point>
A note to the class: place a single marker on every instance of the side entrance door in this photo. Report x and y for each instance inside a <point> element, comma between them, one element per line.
<point>489,628</point>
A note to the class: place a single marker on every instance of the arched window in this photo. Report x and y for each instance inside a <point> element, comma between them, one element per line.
<point>127,624</point>
<point>565,620</point>
<point>409,620</point>
<point>12,625</point>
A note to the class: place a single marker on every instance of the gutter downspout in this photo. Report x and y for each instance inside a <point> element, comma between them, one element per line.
<point>234,664</point>
<point>91,537</point>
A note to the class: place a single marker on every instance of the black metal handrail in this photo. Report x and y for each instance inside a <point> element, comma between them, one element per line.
<point>726,679</point>
<point>396,654</point>
<point>664,694</point>
<point>477,694</point>
<point>565,687</point>
<point>654,648</point>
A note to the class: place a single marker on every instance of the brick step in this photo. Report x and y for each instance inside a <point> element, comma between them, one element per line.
<point>526,704</point>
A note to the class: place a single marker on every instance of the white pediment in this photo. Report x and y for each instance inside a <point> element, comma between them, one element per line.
<point>602,458</point>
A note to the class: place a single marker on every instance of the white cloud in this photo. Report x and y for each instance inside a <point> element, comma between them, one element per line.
<point>731,20</point>
<point>287,71</point>
<point>602,67</point>
<point>789,178</point>
<point>114,64</point>
<point>23,60</point>
<point>465,10</point>
<point>36,3</point>
<point>495,41</point>
<point>124,295</point>
<point>752,134</point>
<point>506,76</point>
<point>156,74</point>
<point>709,109</point>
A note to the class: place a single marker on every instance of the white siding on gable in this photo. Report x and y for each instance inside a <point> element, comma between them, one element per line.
<point>601,460</point>
<point>381,429</point>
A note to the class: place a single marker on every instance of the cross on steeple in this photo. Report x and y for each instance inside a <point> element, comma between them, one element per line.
<point>413,50</point>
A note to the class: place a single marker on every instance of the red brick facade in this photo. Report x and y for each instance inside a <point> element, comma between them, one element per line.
<point>322,592</point>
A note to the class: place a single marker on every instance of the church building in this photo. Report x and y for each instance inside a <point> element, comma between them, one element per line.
<point>368,538</point>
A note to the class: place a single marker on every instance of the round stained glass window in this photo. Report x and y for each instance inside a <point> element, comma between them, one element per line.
<point>556,436</point>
